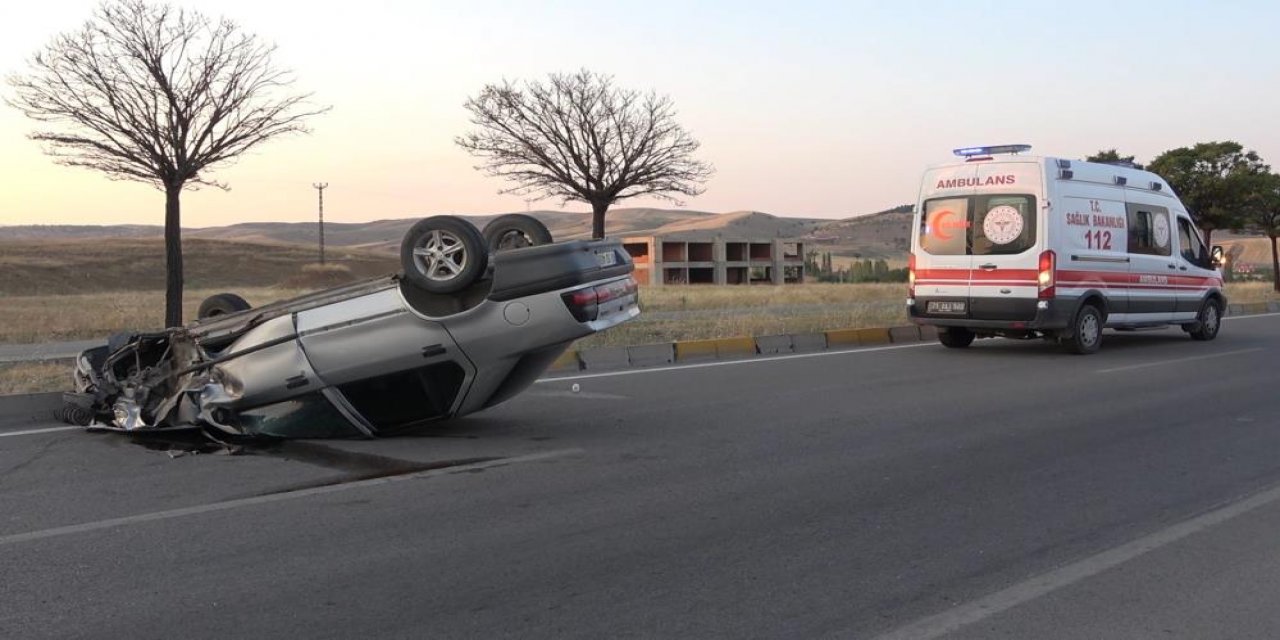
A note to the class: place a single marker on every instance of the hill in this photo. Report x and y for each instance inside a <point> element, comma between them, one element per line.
<point>877,235</point>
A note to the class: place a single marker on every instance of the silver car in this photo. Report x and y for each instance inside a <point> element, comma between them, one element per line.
<point>471,321</point>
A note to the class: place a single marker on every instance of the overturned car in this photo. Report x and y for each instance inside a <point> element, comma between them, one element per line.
<point>473,319</point>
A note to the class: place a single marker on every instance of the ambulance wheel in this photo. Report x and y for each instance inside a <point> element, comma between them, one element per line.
<point>1208,322</point>
<point>955,337</point>
<point>1086,332</point>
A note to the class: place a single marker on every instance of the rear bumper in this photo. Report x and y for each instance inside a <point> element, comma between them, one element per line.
<point>1013,315</point>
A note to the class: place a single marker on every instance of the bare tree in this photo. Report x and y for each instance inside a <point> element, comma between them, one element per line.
<point>157,94</point>
<point>578,137</point>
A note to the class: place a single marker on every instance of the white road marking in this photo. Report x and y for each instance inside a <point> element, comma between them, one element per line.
<point>588,395</point>
<point>977,610</point>
<point>275,497</point>
<point>1252,315</point>
<point>726,363</point>
<point>1144,365</point>
<point>31,432</point>
<point>698,365</point>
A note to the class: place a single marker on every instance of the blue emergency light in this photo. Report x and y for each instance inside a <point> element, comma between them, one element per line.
<point>969,152</point>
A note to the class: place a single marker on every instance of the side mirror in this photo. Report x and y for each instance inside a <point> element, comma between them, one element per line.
<point>1219,255</point>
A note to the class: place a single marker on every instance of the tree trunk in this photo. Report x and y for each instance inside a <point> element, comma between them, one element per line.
<point>1275,265</point>
<point>597,219</point>
<point>172,256</point>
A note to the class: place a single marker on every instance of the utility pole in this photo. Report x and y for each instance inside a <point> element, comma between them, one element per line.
<point>320,187</point>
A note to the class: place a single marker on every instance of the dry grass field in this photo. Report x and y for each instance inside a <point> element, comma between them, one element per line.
<point>35,377</point>
<point>82,316</point>
<point>57,267</point>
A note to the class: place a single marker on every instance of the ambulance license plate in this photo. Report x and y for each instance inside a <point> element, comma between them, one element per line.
<point>946,306</point>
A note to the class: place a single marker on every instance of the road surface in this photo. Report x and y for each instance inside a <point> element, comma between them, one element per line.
<point>1006,491</point>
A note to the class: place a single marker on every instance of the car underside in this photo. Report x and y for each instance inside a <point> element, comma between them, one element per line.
<point>472,321</point>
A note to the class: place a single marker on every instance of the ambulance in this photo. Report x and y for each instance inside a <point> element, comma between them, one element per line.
<point>1020,246</point>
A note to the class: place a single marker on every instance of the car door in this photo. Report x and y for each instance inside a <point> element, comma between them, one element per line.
<point>1153,268</point>
<point>1093,246</point>
<point>943,264</point>
<point>370,336</point>
<point>1193,277</point>
<point>1004,233</point>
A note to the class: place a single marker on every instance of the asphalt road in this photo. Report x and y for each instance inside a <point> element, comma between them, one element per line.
<point>1008,490</point>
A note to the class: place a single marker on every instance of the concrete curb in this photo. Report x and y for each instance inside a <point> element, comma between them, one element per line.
<point>30,408</point>
<point>744,346</point>
<point>685,351</point>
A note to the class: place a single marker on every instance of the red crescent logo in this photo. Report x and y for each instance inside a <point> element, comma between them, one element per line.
<point>937,226</point>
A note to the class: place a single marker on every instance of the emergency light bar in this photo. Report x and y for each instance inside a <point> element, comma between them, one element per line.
<point>969,152</point>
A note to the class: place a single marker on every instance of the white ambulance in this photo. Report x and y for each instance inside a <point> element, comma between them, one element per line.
<point>1019,246</point>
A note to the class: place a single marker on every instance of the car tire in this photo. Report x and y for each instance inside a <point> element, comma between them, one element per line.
<point>955,337</point>
<point>443,254</point>
<point>1086,331</point>
<point>515,230</point>
<point>222,304</point>
<point>1208,321</point>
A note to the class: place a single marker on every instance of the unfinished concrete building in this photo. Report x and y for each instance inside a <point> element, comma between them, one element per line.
<point>702,259</point>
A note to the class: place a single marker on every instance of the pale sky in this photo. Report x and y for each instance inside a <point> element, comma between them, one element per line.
<point>806,108</point>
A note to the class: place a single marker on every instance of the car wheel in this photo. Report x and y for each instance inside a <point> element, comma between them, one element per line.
<point>1086,334</point>
<point>1208,322</point>
<point>443,254</point>
<point>955,337</point>
<point>222,304</point>
<point>515,230</point>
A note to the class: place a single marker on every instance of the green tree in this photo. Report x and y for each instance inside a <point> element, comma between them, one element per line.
<point>1262,215</point>
<point>880,271</point>
<point>1111,156</point>
<point>861,271</point>
<point>1214,180</point>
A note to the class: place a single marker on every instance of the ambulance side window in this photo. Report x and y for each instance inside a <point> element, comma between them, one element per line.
<point>1149,231</point>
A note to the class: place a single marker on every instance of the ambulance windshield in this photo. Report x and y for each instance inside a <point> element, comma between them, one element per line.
<point>978,225</point>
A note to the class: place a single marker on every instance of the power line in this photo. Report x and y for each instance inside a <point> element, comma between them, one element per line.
<point>320,187</point>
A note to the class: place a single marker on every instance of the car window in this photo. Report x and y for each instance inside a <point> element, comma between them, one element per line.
<point>978,225</point>
<point>307,416</point>
<point>1190,245</point>
<point>944,227</point>
<point>1149,231</point>
<point>1003,224</point>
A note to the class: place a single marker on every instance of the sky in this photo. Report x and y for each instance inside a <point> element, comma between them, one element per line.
<point>805,108</point>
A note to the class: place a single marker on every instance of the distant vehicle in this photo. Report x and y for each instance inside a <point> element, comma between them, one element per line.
<point>473,320</point>
<point>1020,246</point>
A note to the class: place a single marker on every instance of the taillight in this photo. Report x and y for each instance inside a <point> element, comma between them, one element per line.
<point>1048,276</point>
<point>584,304</point>
<point>911,275</point>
